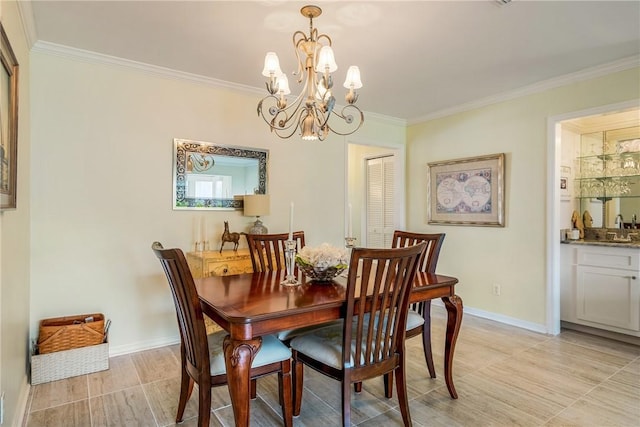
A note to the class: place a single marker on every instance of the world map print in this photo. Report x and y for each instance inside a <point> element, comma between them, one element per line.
<point>464,191</point>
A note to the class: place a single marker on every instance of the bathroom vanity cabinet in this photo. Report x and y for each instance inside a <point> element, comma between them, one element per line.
<point>600,287</point>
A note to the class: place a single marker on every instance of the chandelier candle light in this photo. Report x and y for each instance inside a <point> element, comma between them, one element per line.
<point>314,108</point>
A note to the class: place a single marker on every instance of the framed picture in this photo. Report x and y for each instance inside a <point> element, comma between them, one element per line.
<point>467,191</point>
<point>565,183</point>
<point>8,123</point>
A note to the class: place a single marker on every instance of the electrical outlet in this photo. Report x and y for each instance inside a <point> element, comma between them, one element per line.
<point>496,289</point>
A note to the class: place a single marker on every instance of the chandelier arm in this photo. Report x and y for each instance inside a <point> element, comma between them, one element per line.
<point>296,44</point>
<point>277,123</point>
<point>345,117</point>
<point>324,36</point>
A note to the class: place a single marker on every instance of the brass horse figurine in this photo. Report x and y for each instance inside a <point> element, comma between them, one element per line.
<point>229,237</point>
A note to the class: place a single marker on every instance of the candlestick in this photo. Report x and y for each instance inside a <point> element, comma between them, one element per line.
<point>289,260</point>
<point>291,222</point>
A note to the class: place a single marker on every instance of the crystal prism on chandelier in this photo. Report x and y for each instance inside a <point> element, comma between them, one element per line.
<point>314,112</point>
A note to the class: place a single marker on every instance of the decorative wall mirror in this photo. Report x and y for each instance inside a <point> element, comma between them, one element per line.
<point>216,177</point>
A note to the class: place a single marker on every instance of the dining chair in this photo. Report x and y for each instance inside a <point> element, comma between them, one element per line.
<point>378,287</point>
<point>419,318</point>
<point>267,254</point>
<point>202,355</point>
<point>267,250</point>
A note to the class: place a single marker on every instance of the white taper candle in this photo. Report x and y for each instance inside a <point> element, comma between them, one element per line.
<point>291,222</point>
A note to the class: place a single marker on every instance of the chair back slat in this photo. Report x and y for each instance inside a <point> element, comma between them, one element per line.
<point>434,241</point>
<point>267,250</point>
<point>378,288</point>
<point>193,332</point>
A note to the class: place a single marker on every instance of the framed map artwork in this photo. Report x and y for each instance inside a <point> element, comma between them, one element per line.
<point>467,191</point>
<point>8,123</point>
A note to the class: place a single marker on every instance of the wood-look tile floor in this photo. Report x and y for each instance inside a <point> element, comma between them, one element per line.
<point>505,376</point>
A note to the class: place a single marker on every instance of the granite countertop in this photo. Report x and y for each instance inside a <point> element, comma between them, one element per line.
<point>631,244</point>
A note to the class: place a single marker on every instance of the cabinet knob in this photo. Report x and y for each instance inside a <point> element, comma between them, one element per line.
<point>633,277</point>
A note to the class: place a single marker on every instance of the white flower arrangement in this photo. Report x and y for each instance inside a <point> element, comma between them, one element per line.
<point>323,257</point>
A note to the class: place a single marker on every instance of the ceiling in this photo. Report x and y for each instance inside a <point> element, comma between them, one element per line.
<point>417,58</point>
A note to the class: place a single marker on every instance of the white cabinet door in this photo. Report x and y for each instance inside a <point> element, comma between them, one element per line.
<point>608,296</point>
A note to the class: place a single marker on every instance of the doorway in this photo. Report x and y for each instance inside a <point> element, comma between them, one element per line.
<point>557,212</point>
<point>357,209</point>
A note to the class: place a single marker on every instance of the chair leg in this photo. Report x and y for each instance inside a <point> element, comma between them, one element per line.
<point>401,386</point>
<point>357,387</point>
<point>298,380</point>
<point>388,385</point>
<point>426,338</point>
<point>253,388</point>
<point>204,404</point>
<point>285,396</point>
<point>186,387</point>
<point>346,402</point>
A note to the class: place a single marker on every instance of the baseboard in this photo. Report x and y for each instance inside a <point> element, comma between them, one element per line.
<point>535,327</point>
<point>142,345</point>
<point>629,339</point>
<point>21,407</point>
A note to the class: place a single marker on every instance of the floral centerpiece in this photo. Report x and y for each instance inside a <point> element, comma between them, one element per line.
<point>322,263</point>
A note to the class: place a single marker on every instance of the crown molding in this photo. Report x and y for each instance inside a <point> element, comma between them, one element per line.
<point>99,58</point>
<point>586,74</point>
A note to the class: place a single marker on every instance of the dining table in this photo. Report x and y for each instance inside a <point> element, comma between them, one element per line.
<point>249,306</point>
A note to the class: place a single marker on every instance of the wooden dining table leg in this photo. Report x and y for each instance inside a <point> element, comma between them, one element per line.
<point>454,319</point>
<point>238,355</point>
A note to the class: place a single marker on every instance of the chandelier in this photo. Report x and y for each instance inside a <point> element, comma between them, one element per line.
<point>313,112</point>
<point>199,162</point>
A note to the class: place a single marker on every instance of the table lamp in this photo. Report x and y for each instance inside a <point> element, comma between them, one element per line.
<point>257,205</point>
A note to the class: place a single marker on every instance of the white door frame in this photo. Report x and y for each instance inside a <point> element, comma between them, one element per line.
<point>553,204</point>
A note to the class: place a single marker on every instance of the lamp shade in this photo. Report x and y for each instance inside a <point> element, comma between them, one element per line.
<point>326,60</point>
<point>271,65</point>
<point>353,78</point>
<point>256,204</point>
<point>283,84</point>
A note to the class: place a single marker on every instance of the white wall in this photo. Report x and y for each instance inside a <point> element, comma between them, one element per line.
<point>15,243</point>
<point>102,148</point>
<point>513,256</point>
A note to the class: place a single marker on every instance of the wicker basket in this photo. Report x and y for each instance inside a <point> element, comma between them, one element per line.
<point>69,363</point>
<point>66,333</point>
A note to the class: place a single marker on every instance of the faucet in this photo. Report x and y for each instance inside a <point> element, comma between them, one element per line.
<point>620,223</point>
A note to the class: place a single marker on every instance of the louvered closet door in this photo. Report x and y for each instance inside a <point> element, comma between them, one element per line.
<point>380,197</point>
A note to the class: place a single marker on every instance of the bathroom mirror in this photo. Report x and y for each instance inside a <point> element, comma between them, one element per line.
<point>208,176</point>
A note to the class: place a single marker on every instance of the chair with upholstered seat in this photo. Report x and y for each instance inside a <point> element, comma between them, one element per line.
<point>361,348</point>
<point>419,317</point>
<point>267,254</point>
<point>202,356</point>
<point>419,320</point>
<point>267,250</point>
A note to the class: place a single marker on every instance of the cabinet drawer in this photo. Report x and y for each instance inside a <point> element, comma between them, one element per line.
<point>228,267</point>
<point>628,259</point>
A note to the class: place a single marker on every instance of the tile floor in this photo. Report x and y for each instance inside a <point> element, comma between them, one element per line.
<point>504,376</point>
